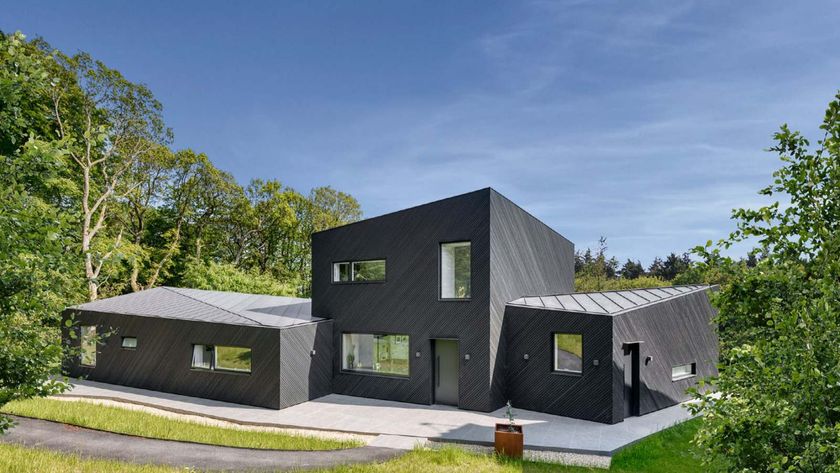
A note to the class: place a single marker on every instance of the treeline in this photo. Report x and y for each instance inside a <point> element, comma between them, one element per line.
<point>596,271</point>
<point>85,146</point>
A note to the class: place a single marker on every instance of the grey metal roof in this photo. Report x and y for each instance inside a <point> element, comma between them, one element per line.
<point>607,302</point>
<point>208,306</point>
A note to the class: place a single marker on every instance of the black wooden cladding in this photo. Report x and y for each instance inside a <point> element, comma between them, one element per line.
<point>526,257</point>
<point>533,384</point>
<point>408,301</point>
<point>512,253</point>
<point>163,357</point>
<point>674,332</point>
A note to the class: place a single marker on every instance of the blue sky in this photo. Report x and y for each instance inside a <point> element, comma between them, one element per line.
<point>641,121</point>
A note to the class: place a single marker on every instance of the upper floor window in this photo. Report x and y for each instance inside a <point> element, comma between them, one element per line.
<point>568,352</point>
<point>455,270</point>
<point>359,271</point>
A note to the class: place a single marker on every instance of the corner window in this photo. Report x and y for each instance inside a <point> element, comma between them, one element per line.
<point>377,354</point>
<point>455,270</point>
<point>359,271</point>
<point>683,371</point>
<point>221,358</point>
<point>568,353</point>
<point>87,343</point>
<point>129,343</point>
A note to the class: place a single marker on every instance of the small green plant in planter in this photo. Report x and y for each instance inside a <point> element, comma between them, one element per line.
<point>509,440</point>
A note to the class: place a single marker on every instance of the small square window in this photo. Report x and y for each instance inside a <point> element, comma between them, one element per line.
<point>129,343</point>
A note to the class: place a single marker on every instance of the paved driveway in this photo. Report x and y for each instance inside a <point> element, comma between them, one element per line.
<point>94,443</point>
<point>371,416</point>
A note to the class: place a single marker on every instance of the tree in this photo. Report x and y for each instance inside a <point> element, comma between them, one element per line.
<point>670,267</point>
<point>225,277</point>
<point>632,269</point>
<point>106,124</point>
<point>777,406</point>
<point>36,276</point>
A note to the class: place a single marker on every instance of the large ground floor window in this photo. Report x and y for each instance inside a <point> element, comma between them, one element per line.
<point>221,358</point>
<point>379,354</point>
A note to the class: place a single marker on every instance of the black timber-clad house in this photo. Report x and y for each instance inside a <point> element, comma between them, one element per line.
<point>467,301</point>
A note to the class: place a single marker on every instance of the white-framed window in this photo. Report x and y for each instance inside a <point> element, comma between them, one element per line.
<point>221,358</point>
<point>375,354</point>
<point>87,342</point>
<point>455,270</point>
<point>359,271</point>
<point>568,353</point>
<point>129,343</point>
<point>683,371</point>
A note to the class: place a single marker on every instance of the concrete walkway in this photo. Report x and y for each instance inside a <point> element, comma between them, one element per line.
<point>97,444</point>
<point>543,432</point>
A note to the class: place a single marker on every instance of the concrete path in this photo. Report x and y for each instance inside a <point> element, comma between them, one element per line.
<point>98,444</point>
<point>543,432</point>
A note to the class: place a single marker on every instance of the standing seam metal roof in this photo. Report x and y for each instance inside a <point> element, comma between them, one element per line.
<point>232,308</point>
<point>607,302</point>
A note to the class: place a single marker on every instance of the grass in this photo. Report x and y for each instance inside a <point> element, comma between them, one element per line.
<point>144,424</point>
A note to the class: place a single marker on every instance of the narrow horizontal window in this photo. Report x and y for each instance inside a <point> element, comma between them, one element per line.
<point>683,371</point>
<point>455,270</point>
<point>359,271</point>
<point>379,354</point>
<point>568,352</point>
<point>88,345</point>
<point>129,343</point>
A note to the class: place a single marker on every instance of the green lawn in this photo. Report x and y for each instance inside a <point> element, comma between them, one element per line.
<point>144,424</point>
<point>668,451</point>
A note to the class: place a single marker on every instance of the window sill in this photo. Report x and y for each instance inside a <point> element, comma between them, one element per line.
<point>376,375</point>
<point>574,374</point>
<point>352,283</point>
<point>454,299</point>
<point>211,370</point>
<point>681,378</point>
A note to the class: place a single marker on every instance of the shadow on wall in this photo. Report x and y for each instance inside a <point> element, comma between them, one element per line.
<point>298,310</point>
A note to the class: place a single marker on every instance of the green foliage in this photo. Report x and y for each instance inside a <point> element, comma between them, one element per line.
<point>143,424</point>
<point>592,284</point>
<point>226,277</point>
<point>778,401</point>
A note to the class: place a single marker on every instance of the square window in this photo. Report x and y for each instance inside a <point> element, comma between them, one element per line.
<point>568,353</point>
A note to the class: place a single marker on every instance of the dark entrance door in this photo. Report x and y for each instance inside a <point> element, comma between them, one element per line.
<point>631,379</point>
<point>446,371</point>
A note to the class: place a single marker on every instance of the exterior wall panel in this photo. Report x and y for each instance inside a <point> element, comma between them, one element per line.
<point>304,375</point>
<point>526,258</point>
<point>408,301</point>
<point>672,332</point>
<point>532,383</point>
<point>163,357</point>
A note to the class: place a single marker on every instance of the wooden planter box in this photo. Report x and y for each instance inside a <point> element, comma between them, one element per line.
<point>509,443</point>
